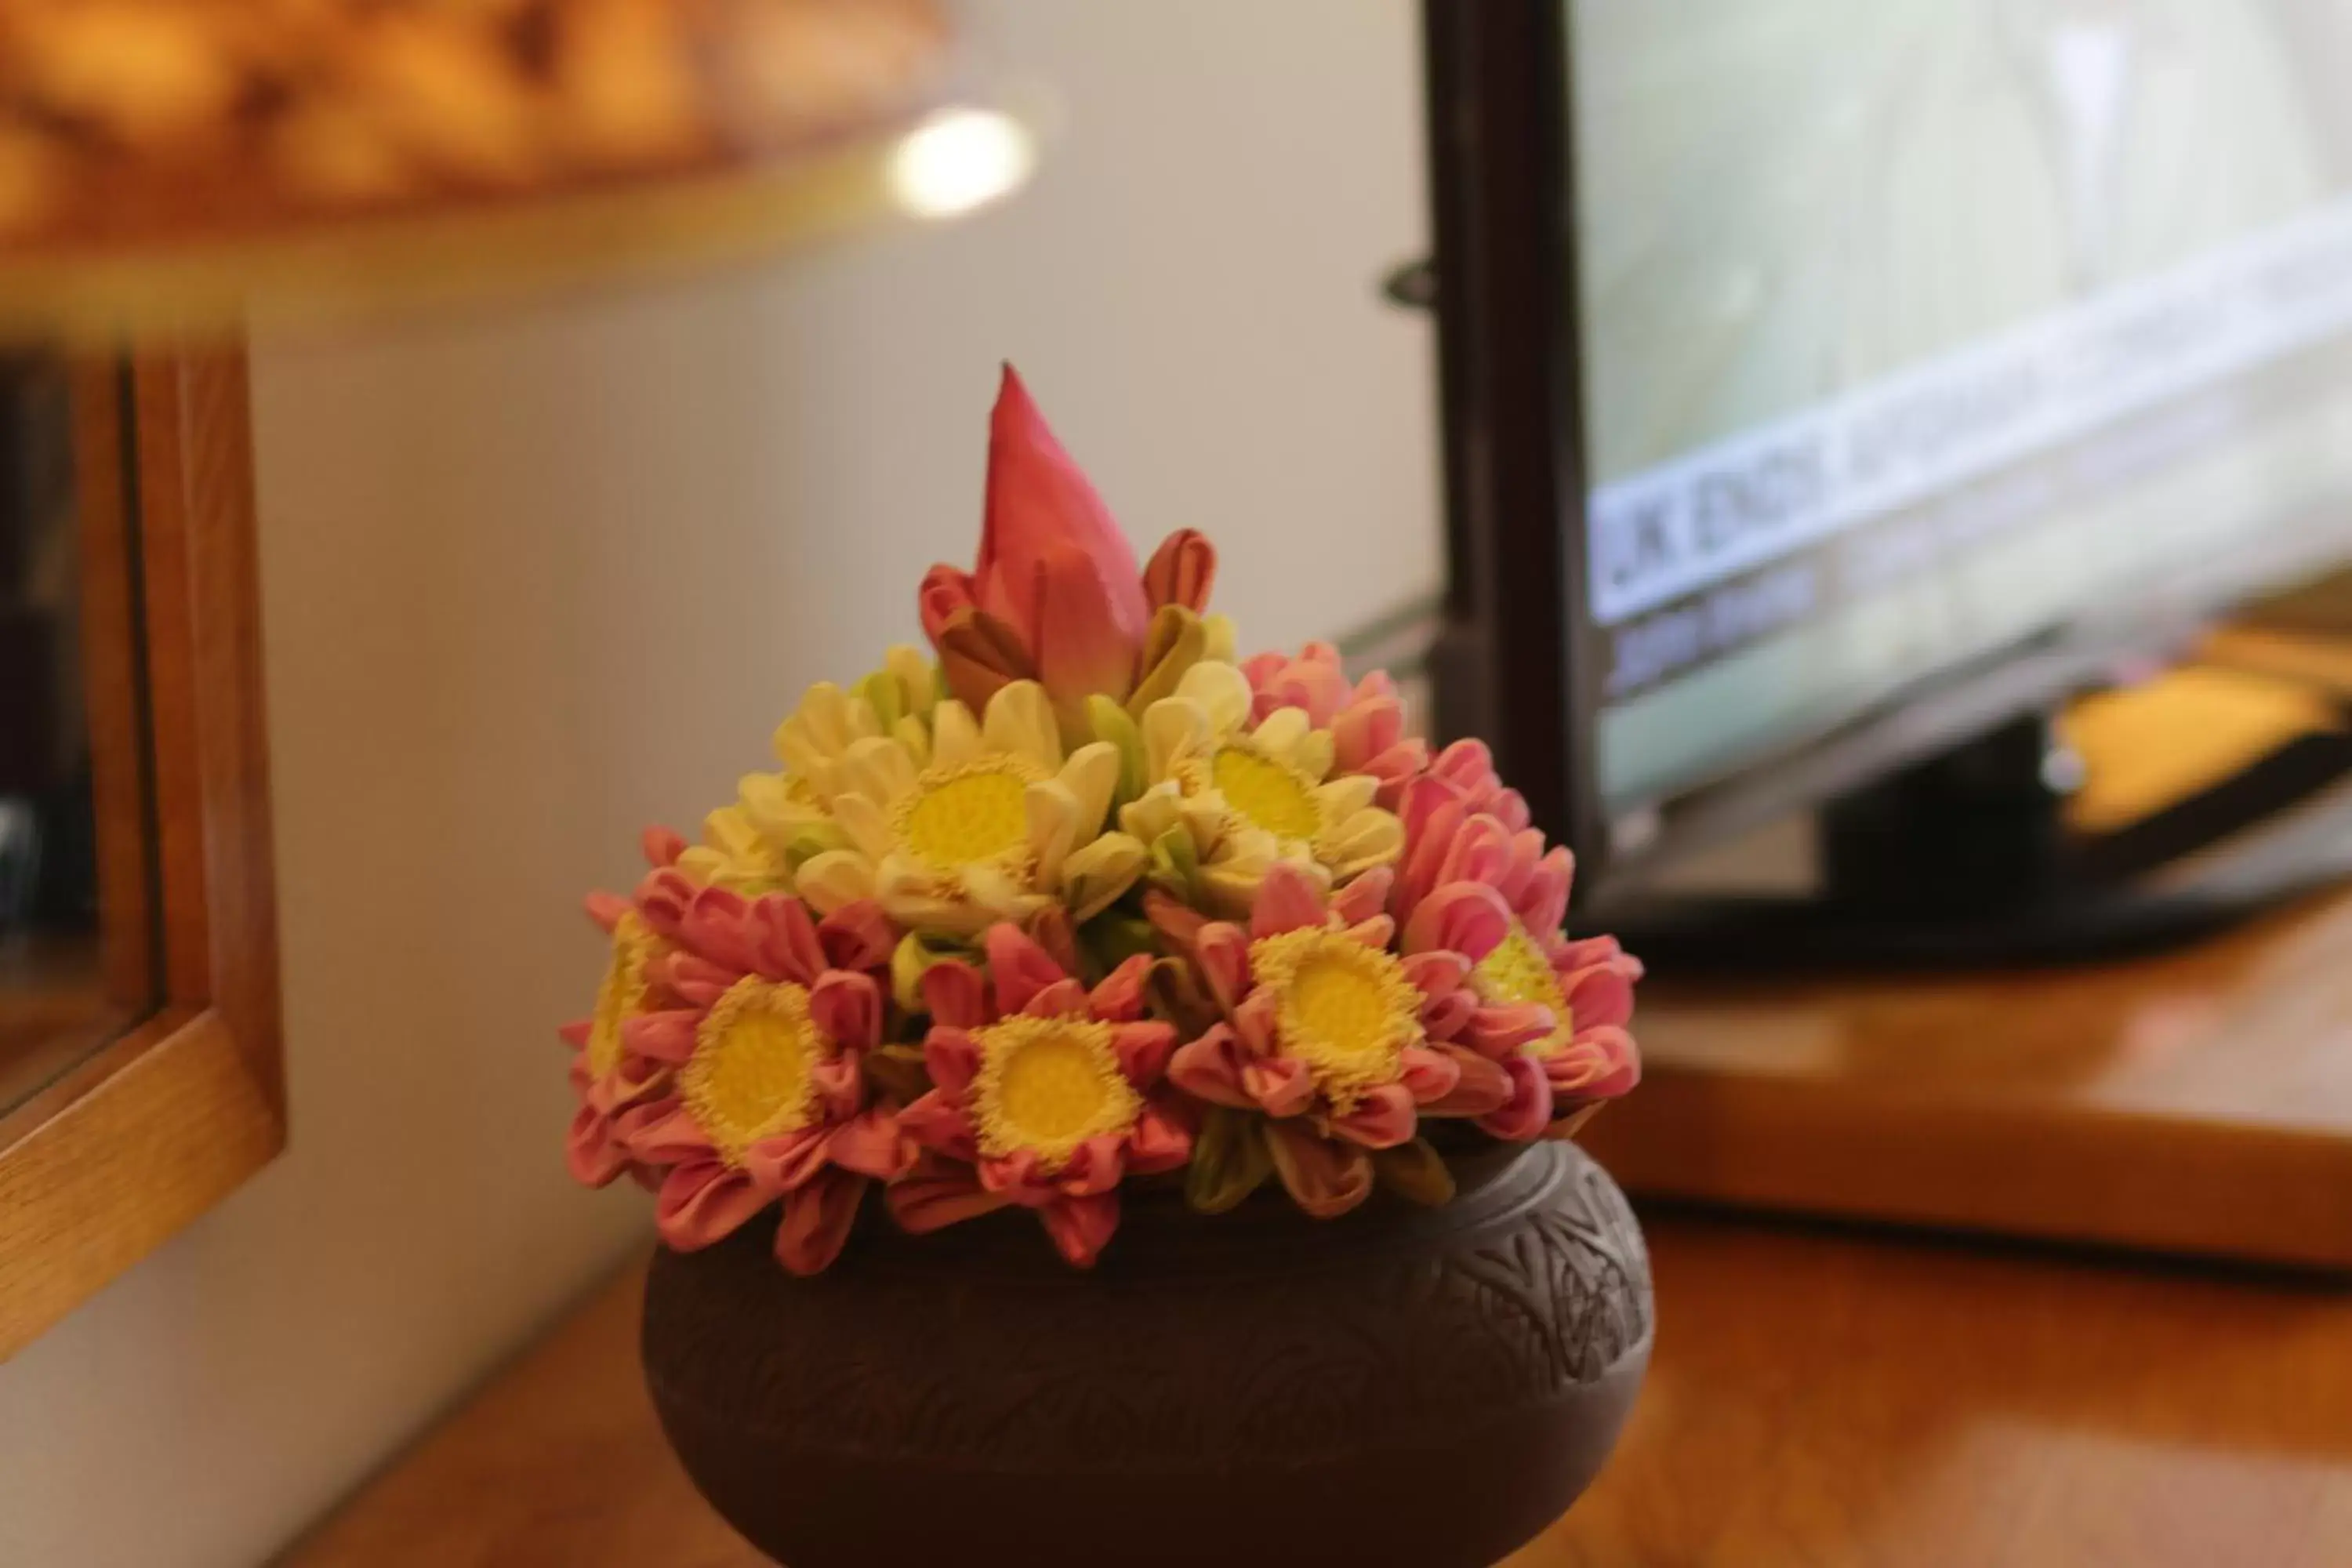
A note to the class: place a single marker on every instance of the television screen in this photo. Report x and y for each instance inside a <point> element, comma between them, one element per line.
<point>1915,331</point>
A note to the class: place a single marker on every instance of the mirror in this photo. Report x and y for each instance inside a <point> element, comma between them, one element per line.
<point>76,955</point>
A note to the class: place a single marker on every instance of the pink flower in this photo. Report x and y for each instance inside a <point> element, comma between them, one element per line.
<point>1045,1095</point>
<point>1366,720</point>
<point>614,1085</point>
<point>766,1099</point>
<point>1055,597</point>
<point>1342,1043</point>
<point>1552,1011</point>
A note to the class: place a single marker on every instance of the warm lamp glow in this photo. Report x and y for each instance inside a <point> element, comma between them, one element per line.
<point>169,164</point>
<point>959,160</point>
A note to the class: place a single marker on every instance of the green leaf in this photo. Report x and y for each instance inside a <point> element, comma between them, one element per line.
<point>1110,722</point>
<point>1229,1161</point>
<point>1414,1171</point>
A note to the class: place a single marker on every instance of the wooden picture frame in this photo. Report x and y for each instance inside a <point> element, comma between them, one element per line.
<point>102,1164</point>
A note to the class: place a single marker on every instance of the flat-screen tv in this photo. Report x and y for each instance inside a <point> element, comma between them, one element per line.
<point>1827,382</point>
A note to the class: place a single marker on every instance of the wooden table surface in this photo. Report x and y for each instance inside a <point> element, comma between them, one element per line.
<point>1819,1399</point>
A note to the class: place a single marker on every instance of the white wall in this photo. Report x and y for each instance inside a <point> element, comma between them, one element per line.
<point>533,581</point>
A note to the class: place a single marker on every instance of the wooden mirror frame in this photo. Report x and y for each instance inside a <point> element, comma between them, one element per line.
<point>102,1164</point>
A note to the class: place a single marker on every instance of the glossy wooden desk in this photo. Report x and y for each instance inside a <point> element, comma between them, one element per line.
<point>1829,1400</point>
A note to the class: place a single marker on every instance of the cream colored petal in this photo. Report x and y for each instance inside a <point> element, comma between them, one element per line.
<point>992,895</point>
<point>1020,719</point>
<point>835,877</point>
<point>1345,796</point>
<point>878,768</point>
<point>867,825</point>
<point>919,910</point>
<point>915,737</point>
<point>1283,730</point>
<point>1211,822</point>
<point>1223,692</point>
<point>1094,876</point>
<point>1174,728</point>
<point>1221,637</point>
<point>1312,754</point>
<point>955,735</point>
<point>1368,838</point>
<point>1091,775</point>
<point>1053,828</point>
<point>1153,812</point>
<point>912,668</point>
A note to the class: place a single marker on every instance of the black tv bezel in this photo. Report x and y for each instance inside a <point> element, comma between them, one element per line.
<point>1517,659</point>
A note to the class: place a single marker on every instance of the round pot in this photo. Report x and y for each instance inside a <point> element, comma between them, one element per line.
<point>1413,1387</point>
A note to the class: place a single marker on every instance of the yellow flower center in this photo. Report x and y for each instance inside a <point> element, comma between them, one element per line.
<point>1517,971</point>
<point>751,1075</point>
<point>1048,1085</point>
<point>1269,793</point>
<point>1346,1010</point>
<point>623,993</point>
<point>970,815</point>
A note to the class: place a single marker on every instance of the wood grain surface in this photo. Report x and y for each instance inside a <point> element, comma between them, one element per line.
<point>2197,1100</point>
<point>109,1159</point>
<point>1818,1399</point>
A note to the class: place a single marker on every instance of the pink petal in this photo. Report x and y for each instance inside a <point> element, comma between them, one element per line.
<point>1018,1178</point>
<point>1018,967</point>
<point>1467,918</point>
<point>782,940</point>
<point>1210,1068</point>
<point>698,980</point>
<point>1383,1119</point>
<point>705,1202</point>
<point>661,846</point>
<point>945,591</point>
<point>1437,971</point>
<point>857,936</point>
<point>952,1056</point>
<point>1143,1050</point>
<point>1281,1085</point>
<point>1601,994</point>
<point>1121,997</point>
<point>1082,645</point>
<point>1499,1029</point>
<point>848,1009</point>
<point>1365,730</point>
<point>955,995</point>
<point>1223,954</point>
<point>938,1193</point>
<point>1037,499</point>
<point>1257,1021</point>
<point>606,909</point>
<point>1159,1143</point>
<point>1484,1088</point>
<point>1528,1112</point>
<point>1176,921</point>
<point>1600,1065</point>
<point>937,1122</point>
<point>1182,571</point>
<point>1095,1166</point>
<point>665,1037</point>
<point>818,1221</point>
<point>590,1152</point>
<point>1062,999</point>
<point>1287,900</point>
<point>663,899</point>
<point>1428,1075</point>
<point>1376,934</point>
<point>789,1161</point>
<point>670,1135</point>
<point>840,1088</point>
<point>1364,897</point>
<point>871,1144</point>
<point>1324,1177</point>
<point>575,1034</point>
<point>1081,1227</point>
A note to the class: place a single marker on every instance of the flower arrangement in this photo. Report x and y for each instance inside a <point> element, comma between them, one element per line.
<point>1084,904</point>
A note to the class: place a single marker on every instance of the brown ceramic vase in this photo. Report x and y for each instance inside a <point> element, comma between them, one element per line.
<point>1402,1388</point>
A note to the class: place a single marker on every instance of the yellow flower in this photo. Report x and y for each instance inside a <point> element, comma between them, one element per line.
<point>1233,799</point>
<point>779,819</point>
<point>955,823</point>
